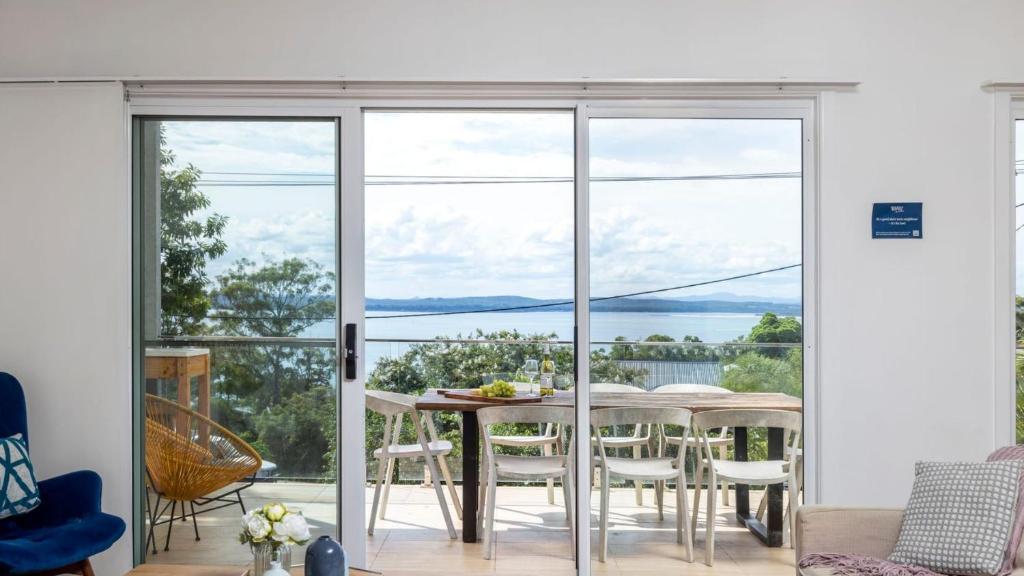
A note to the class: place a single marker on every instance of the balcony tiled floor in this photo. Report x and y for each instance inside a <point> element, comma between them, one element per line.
<point>531,536</point>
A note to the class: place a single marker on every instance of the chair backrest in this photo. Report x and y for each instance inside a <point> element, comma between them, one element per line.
<point>13,415</point>
<point>691,389</point>
<point>189,455</point>
<point>606,417</point>
<point>636,415</point>
<point>389,403</point>
<point>605,387</point>
<point>487,417</point>
<point>790,422</point>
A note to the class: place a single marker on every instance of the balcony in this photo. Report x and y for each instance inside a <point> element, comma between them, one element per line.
<point>273,394</point>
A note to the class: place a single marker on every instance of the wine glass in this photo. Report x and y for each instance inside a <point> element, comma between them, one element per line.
<point>531,368</point>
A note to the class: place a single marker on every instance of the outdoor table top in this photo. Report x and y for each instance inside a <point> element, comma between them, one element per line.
<point>694,402</point>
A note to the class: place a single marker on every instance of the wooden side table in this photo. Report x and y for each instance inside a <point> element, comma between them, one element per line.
<point>182,364</point>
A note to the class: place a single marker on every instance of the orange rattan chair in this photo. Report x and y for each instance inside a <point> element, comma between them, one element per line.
<point>189,458</point>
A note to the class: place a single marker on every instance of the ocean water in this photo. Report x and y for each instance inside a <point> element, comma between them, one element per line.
<point>604,326</point>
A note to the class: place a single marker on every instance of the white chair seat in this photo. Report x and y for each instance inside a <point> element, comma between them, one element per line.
<point>760,472</point>
<point>442,447</point>
<point>524,441</point>
<point>643,468</point>
<point>529,466</point>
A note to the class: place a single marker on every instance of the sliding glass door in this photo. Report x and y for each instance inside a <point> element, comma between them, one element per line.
<point>235,261</point>
<point>324,303</point>
<point>469,284</point>
<point>696,282</point>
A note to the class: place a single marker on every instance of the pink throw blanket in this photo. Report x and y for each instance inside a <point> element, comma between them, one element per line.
<point>850,565</point>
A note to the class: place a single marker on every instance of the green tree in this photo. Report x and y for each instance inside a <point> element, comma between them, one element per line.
<point>774,330</point>
<point>275,299</point>
<point>286,389</point>
<point>187,242</point>
<point>297,433</point>
<point>628,351</point>
<point>1020,318</point>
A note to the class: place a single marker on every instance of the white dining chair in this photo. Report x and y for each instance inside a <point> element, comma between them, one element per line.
<point>721,440</point>
<point>763,506</point>
<point>640,437</point>
<point>546,438</point>
<point>393,407</point>
<point>657,469</point>
<point>497,466</point>
<point>757,473</point>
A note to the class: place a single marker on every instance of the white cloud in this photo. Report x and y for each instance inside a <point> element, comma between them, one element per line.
<point>451,240</point>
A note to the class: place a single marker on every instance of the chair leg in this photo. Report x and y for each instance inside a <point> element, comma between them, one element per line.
<point>639,485</point>
<point>381,470</point>
<point>683,516</point>
<point>481,511</point>
<point>696,494</point>
<point>240,503</point>
<point>442,463</point>
<point>659,495</point>
<point>569,518</point>
<point>432,466</point>
<point>87,568</point>
<point>492,484</point>
<point>709,539</point>
<point>794,502</point>
<point>151,538</point>
<point>195,526</point>
<point>723,454</point>
<point>387,486</point>
<point>170,525</point>
<point>602,546</point>
<point>762,506</point>
<point>546,450</point>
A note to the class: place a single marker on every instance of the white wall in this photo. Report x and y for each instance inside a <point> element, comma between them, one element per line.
<point>907,330</point>
<point>65,289</point>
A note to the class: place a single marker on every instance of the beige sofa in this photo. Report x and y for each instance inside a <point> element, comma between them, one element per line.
<point>847,530</point>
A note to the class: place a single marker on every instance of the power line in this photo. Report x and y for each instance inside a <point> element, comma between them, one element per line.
<point>411,180</point>
<point>516,308</point>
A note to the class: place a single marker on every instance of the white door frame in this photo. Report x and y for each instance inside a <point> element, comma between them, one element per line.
<point>351,250</point>
<point>1008,109</point>
<point>807,110</point>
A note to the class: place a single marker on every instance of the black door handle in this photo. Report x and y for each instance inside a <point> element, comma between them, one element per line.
<point>350,351</point>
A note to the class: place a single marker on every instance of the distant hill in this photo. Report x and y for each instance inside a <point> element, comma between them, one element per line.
<point>662,305</point>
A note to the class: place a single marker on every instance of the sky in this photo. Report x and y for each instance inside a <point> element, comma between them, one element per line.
<point>274,180</point>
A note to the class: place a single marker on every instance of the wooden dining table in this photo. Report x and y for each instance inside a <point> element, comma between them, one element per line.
<point>770,532</point>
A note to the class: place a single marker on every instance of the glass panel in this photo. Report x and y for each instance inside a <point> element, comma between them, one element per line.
<point>469,280</point>
<point>1019,183</point>
<point>695,270</point>
<point>239,285</point>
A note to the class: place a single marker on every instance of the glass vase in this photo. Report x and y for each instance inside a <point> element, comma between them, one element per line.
<point>263,554</point>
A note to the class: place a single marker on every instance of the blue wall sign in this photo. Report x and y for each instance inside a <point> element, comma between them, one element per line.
<point>896,220</point>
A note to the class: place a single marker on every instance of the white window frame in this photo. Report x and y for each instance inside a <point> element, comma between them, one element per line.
<point>1008,108</point>
<point>809,102</point>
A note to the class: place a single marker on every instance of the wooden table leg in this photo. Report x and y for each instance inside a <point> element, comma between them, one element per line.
<point>470,475</point>
<point>771,534</point>
<point>739,437</point>
<point>184,393</point>
<point>204,402</point>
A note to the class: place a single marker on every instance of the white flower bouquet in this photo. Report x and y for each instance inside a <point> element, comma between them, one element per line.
<point>274,525</point>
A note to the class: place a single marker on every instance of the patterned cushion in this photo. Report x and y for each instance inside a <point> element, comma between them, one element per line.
<point>959,517</point>
<point>18,490</point>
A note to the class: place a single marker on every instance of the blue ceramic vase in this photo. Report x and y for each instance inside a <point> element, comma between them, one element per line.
<point>326,557</point>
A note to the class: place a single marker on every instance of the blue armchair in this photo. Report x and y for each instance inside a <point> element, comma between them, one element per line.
<point>60,535</point>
